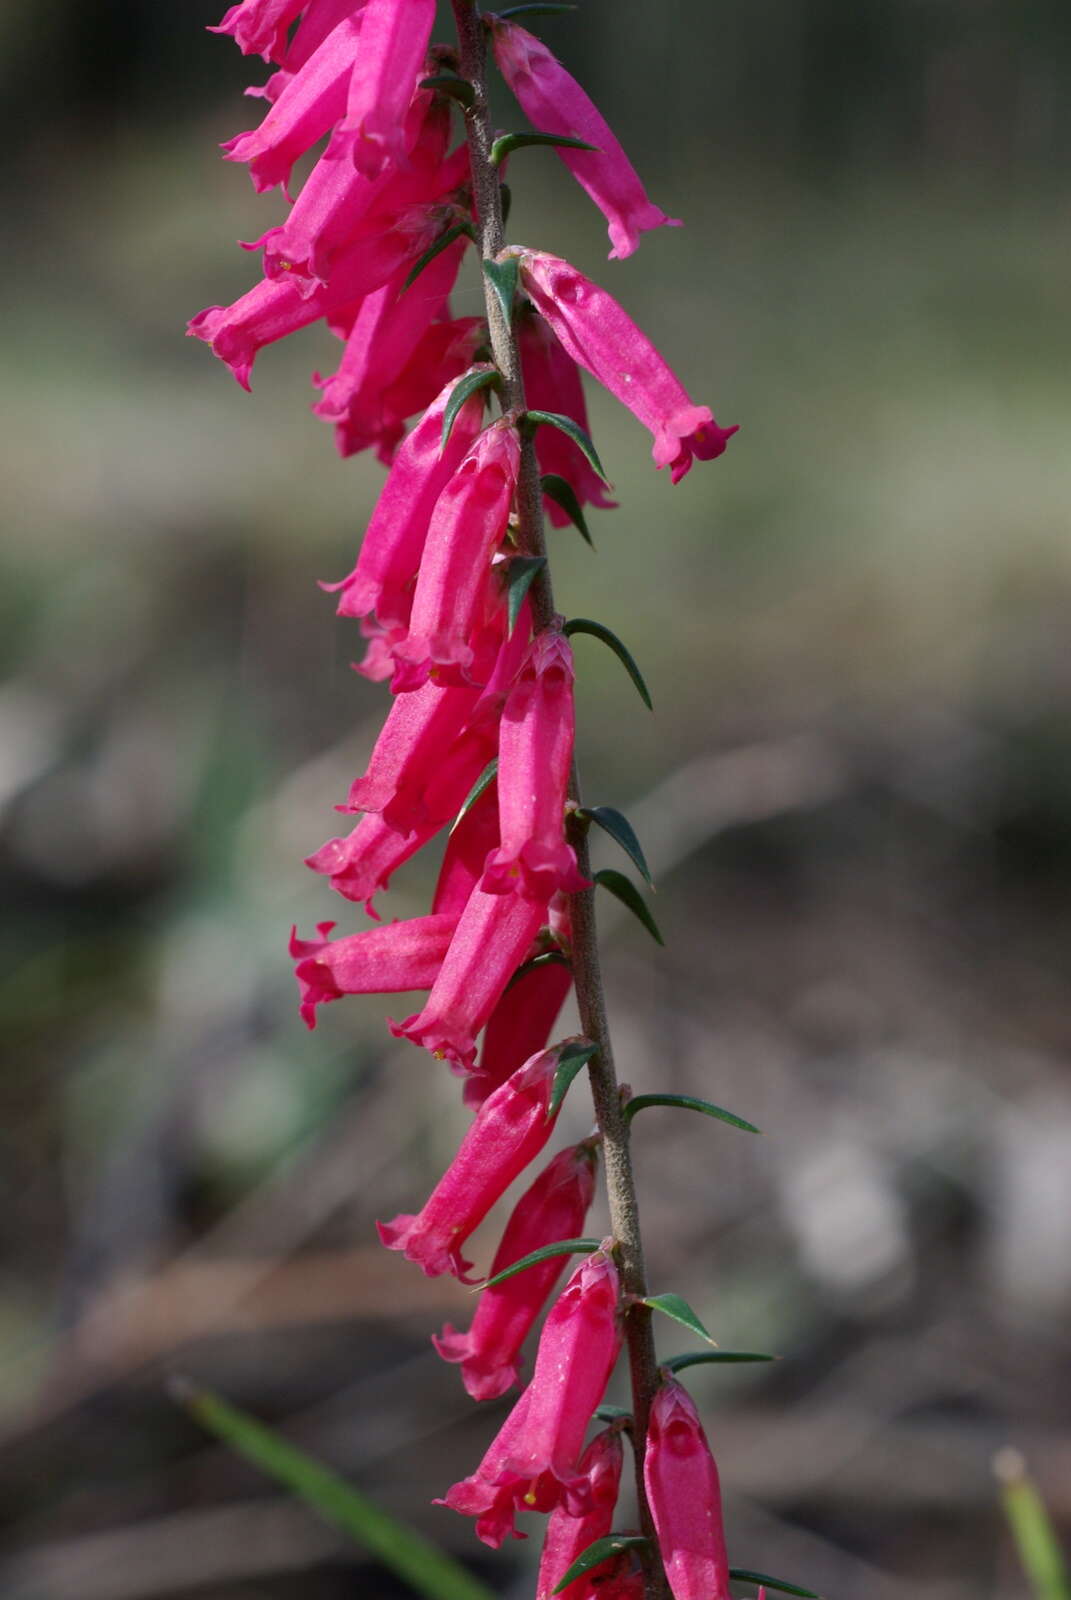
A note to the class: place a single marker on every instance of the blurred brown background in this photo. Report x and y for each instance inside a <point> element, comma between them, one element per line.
<point>856,794</point>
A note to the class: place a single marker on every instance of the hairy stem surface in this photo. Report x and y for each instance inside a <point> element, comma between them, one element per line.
<point>620,1183</point>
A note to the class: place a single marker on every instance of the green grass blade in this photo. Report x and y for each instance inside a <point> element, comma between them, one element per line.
<point>1035,1539</point>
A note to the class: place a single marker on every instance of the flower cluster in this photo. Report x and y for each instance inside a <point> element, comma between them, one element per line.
<point>481,726</point>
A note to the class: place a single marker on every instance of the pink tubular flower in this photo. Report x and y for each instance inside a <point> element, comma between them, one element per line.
<point>553,1208</point>
<point>535,751</point>
<point>259,27</point>
<point>385,575</point>
<point>553,100</point>
<point>417,738</point>
<point>310,103</point>
<point>491,940</point>
<point>390,959</point>
<point>552,383</point>
<point>567,1536</point>
<point>394,42</point>
<point>509,1132</point>
<point>685,1497</point>
<point>532,1465</point>
<point>318,19</point>
<point>360,865</point>
<point>466,850</point>
<point>467,526</point>
<point>520,1024</point>
<point>604,340</point>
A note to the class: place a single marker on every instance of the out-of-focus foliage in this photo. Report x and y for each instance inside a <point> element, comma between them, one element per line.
<point>855,798</point>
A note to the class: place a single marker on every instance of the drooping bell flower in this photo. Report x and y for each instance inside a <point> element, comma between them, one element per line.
<point>511,1129</point>
<point>418,738</point>
<point>385,575</point>
<point>685,1497</point>
<point>274,308</point>
<point>445,351</point>
<point>467,526</point>
<point>553,1208</point>
<point>519,1025</point>
<point>394,42</point>
<point>533,1463</point>
<point>552,383</point>
<point>602,338</point>
<point>466,851</point>
<point>259,27</point>
<point>552,99</point>
<point>361,864</point>
<point>317,21</point>
<point>535,752</point>
<point>491,940</point>
<point>311,103</point>
<point>390,959</point>
<point>567,1537</point>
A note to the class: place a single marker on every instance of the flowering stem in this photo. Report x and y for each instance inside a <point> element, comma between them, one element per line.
<point>606,1094</point>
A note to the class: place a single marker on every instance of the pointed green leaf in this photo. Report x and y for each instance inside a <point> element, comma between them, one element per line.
<point>506,143</point>
<point>550,958</point>
<point>624,655</point>
<point>745,1575</point>
<point>470,384</point>
<point>699,1358</point>
<point>399,1547</point>
<point>595,1554</point>
<point>625,890</point>
<point>620,830</point>
<point>563,1247</point>
<point>575,432</point>
<point>1035,1538</point>
<point>571,1057</point>
<point>536,9</point>
<point>502,276</point>
<point>688,1102</point>
<point>484,781</point>
<point>459,89</point>
<point>443,242</point>
<point>521,571</point>
<point>613,1414</point>
<point>561,491</point>
<point>675,1306</point>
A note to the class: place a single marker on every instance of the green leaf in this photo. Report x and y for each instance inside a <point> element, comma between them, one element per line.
<point>575,432</point>
<point>571,1057</point>
<point>417,1562</point>
<point>620,830</point>
<point>502,276</point>
<point>506,143</point>
<point>470,384</point>
<point>688,1102</point>
<point>675,1306</point>
<point>745,1575</point>
<point>595,1554</point>
<point>699,1358</point>
<point>625,890</point>
<point>550,958</point>
<point>506,201</point>
<point>535,10</point>
<point>613,1414</point>
<point>443,242</point>
<point>484,781</point>
<point>564,1247</point>
<point>1035,1538</point>
<point>522,569</point>
<point>460,89</point>
<point>561,491</point>
<point>624,655</point>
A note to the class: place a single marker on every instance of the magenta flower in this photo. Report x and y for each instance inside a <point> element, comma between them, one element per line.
<point>318,19</point>
<point>310,103</point>
<point>603,339</point>
<point>259,27</point>
<point>553,1208</point>
<point>394,42</point>
<point>532,1465</point>
<point>467,526</point>
<point>491,940</point>
<point>445,351</point>
<point>390,959</point>
<point>418,750</point>
<point>553,100</point>
<point>685,1497</point>
<point>361,864</point>
<point>509,1132</point>
<point>568,1536</point>
<point>463,859</point>
<point>535,752</point>
<point>385,575</point>
<point>552,383</point>
<point>519,1025</point>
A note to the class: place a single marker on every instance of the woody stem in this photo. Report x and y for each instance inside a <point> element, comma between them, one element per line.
<point>609,1110</point>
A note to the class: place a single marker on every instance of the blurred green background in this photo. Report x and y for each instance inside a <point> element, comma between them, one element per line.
<point>856,794</point>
